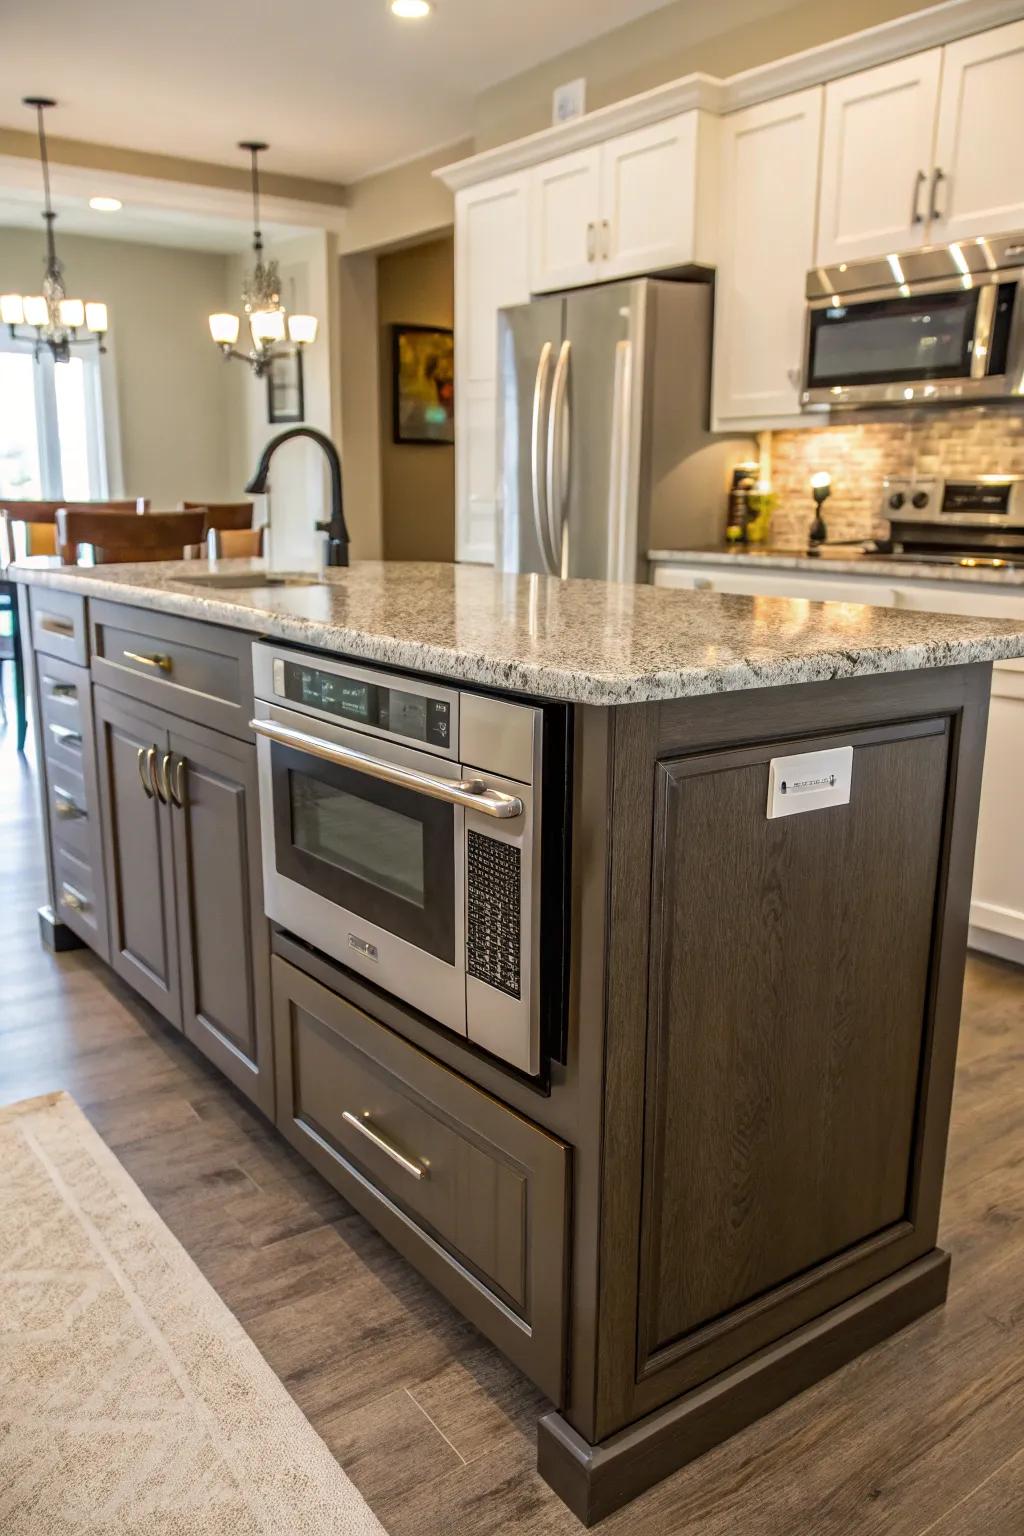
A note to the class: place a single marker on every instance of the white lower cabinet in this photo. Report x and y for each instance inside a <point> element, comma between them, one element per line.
<point>997,897</point>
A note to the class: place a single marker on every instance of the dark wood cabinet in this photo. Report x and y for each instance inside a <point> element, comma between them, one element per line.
<point>131,740</point>
<point>223,936</point>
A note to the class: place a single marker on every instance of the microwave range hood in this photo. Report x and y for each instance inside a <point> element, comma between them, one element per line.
<point>943,324</point>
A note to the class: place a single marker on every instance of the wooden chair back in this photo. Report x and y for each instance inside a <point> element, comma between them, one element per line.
<point>231,543</point>
<point>39,521</point>
<point>223,514</point>
<point>118,540</point>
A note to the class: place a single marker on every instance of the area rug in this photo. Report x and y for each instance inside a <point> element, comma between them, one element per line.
<point>131,1400</point>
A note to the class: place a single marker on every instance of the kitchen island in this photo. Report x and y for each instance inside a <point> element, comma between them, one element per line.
<point>723,1179</point>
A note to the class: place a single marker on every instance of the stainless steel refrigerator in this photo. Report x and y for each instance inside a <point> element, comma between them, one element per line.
<point>603,429</point>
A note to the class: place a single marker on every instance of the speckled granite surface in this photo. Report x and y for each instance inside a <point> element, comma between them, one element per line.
<point>842,564</point>
<point>587,641</point>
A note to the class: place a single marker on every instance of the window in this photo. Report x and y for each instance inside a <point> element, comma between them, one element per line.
<point>51,426</point>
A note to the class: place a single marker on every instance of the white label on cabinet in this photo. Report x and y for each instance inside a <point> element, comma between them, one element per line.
<point>809,781</point>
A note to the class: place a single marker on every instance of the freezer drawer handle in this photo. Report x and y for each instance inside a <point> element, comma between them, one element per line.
<point>471,793</point>
<point>363,1126</point>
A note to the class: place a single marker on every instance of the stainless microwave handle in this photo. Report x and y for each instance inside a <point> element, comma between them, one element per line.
<point>471,793</point>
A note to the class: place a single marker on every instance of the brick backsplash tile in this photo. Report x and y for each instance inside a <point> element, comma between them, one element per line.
<point>859,455</point>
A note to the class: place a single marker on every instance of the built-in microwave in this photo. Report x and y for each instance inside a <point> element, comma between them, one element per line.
<point>418,834</point>
<point>939,325</point>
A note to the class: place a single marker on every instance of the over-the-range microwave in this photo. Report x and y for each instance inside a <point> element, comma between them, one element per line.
<point>940,325</point>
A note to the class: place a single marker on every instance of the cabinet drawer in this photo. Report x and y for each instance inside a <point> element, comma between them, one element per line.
<point>58,624</point>
<point>195,670</point>
<point>63,693</point>
<point>70,812</point>
<point>470,1192</point>
<point>78,896</point>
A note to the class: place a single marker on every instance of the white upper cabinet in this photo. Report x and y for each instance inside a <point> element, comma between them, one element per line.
<point>630,205</point>
<point>877,158</point>
<point>492,267</point>
<point>649,188</point>
<point>769,196</point>
<point>979,152</point>
<point>565,214</point>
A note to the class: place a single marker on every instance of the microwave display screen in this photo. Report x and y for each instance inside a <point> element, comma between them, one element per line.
<point>893,340</point>
<point>413,716</point>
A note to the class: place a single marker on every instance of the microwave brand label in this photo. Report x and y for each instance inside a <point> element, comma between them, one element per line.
<point>363,947</point>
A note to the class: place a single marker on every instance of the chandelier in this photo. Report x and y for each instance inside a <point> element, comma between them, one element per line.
<point>50,319</point>
<point>269,321</point>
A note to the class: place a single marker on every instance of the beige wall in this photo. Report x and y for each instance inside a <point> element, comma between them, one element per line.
<point>172,394</point>
<point>720,38</point>
<point>415,286</point>
<point>402,204</point>
<point>359,354</point>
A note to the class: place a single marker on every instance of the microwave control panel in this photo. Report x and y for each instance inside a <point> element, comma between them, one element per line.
<point>396,711</point>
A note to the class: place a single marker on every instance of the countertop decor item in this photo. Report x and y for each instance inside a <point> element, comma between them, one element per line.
<point>50,319</point>
<point>270,325</point>
<point>140,1401</point>
<point>821,490</point>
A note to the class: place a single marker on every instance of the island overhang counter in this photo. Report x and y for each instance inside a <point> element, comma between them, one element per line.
<point>730,1183</point>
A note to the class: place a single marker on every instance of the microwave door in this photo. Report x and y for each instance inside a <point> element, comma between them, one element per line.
<point>875,349</point>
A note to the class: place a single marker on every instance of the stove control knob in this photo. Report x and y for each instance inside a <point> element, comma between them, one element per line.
<point>896,500</point>
<point>920,499</point>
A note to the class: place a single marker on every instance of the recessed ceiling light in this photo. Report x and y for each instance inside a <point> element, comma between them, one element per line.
<point>411,10</point>
<point>105,204</point>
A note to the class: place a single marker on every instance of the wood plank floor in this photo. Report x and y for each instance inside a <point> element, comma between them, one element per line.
<point>924,1435</point>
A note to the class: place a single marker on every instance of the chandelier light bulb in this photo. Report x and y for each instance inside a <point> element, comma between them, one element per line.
<point>36,310</point>
<point>12,309</point>
<point>72,314</point>
<point>302,329</point>
<point>96,318</point>
<point>224,329</point>
<point>267,326</point>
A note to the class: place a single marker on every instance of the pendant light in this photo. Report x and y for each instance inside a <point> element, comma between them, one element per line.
<point>50,319</point>
<point>270,325</point>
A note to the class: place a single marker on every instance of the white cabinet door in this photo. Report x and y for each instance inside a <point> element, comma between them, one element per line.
<point>877,158</point>
<point>679,576</point>
<point>648,197</point>
<point>491,271</point>
<point>815,589</point>
<point>769,199</point>
<point>979,154</point>
<point>565,214</point>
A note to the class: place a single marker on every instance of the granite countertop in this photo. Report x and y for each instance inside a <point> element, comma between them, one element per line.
<point>589,642</point>
<point>843,561</point>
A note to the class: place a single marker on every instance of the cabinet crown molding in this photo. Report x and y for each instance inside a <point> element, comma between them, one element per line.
<point>890,40</point>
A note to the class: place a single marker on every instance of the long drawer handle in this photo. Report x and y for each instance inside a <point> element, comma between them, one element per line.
<point>65,805</point>
<point>156,660</point>
<point>65,735</point>
<point>61,691</point>
<point>471,793</point>
<point>143,759</point>
<point>55,626</point>
<point>69,897</point>
<point>364,1128</point>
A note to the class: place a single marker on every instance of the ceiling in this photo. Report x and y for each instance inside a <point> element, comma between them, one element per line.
<point>20,208</point>
<point>339,88</point>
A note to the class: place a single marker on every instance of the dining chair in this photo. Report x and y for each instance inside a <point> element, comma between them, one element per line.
<point>118,540</point>
<point>38,522</point>
<point>223,514</point>
<point>232,543</point>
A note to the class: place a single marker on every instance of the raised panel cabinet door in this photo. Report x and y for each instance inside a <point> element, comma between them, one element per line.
<point>491,271</point>
<point>648,198</point>
<point>223,934</point>
<point>877,159</point>
<point>565,211</point>
<point>770,158</point>
<point>979,154</point>
<point>137,851</point>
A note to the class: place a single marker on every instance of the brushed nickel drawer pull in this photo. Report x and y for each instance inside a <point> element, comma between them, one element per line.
<point>177,784</point>
<point>65,735</point>
<point>142,762</point>
<point>163,778</point>
<point>156,660</point>
<point>471,793</point>
<point>65,805</point>
<point>69,897</point>
<point>55,626</point>
<point>364,1128</point>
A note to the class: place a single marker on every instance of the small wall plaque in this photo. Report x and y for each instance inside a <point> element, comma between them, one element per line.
<point>809,781</point>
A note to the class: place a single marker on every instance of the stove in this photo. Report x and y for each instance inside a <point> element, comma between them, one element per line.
<point>977,524</point>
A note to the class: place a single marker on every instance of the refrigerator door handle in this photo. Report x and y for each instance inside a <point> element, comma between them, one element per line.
<point>558,466</point>
<point>619,467</point>
<point>537,456</point>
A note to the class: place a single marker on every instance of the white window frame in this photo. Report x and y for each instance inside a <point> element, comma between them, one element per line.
<point>50,475</point>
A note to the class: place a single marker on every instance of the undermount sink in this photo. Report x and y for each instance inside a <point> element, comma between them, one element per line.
<point>248,580</point>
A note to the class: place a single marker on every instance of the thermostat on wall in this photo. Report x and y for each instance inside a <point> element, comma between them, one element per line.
<point>568,101</point>
<point>809,781</point>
